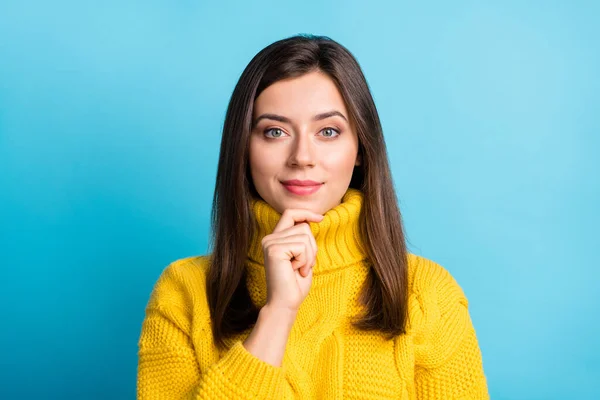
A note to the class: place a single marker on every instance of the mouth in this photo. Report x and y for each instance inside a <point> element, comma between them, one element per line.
<point>302,188</point>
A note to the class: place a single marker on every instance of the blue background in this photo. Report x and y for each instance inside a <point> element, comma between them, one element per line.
<point>110,122</point>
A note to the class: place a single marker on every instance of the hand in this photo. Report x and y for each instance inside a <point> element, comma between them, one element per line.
<point>290,252</point>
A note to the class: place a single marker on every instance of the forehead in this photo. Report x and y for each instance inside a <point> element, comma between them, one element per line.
<point>301,97</point>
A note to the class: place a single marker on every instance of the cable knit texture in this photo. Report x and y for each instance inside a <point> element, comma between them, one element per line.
<point>325,357</point>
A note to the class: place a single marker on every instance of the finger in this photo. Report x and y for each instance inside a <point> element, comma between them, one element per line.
<point>305,270</point>
<point>295,253</point>
<point>301,228</point>
<point>293,215</point>
<point>308,273</point>
<point>298,255</point>
<point>307,250</point>
<point>313,243</point>
<point>309,266</point>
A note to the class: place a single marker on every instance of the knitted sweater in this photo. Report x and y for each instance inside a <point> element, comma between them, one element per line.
<point>325,357</point>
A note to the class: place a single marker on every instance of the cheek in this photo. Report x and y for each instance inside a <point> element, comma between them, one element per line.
<point>340,162</point>
<point>260,163</point>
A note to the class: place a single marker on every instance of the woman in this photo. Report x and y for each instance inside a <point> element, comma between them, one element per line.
<point>309,291</point>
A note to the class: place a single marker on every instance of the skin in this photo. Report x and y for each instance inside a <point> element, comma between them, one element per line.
<point>324,151</point>
<point>301,130</point>
<point>301,147</point>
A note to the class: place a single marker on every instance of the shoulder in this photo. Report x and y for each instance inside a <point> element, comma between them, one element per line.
<point>428,278</point>
<point>437,304</point>
<point>441,331</point>
<point>181,283</point>
<point>177,308</point>
<point>439,319</point>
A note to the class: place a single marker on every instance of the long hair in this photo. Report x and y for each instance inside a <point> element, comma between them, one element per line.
<point>385,290</point>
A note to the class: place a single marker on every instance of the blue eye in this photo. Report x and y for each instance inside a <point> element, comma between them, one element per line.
<point>280,132</point>
<point>329,132</point>
<point>277,133</point>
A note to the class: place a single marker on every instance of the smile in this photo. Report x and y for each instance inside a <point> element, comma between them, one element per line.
<point>302,190</point>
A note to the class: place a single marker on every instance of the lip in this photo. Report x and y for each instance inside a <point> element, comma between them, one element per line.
<point>297,182</point>
<point>302,188</point>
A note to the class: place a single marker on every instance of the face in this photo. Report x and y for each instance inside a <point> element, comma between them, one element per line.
<point>302,131</point>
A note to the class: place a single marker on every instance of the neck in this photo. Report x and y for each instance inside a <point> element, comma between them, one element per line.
<point>338,235</point>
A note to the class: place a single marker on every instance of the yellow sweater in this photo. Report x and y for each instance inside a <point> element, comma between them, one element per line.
<point>325,358</point>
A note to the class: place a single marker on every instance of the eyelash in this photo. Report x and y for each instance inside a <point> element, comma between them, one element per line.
<point>328,137</point>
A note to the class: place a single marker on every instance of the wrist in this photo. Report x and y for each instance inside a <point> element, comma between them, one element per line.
<point>269,337</point>
<point>283,315</point>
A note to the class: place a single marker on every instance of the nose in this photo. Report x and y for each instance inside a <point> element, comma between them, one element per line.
<point>302,153</point>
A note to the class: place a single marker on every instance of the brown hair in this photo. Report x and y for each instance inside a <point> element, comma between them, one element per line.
<point>385,291</point>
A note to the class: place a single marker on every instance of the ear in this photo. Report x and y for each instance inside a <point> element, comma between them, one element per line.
<point>358,160</point>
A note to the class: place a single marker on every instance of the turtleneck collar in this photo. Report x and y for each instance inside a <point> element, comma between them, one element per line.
<point>337,235</point>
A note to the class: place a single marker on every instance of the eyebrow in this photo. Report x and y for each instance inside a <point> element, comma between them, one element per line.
<point>281,118</point>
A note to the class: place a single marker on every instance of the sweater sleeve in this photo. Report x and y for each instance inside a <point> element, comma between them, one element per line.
<point>447,355</point>
<point>168,365</point>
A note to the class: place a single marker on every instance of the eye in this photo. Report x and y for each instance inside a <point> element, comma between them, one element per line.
<point>330,132</point>
<point>276,132</point>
